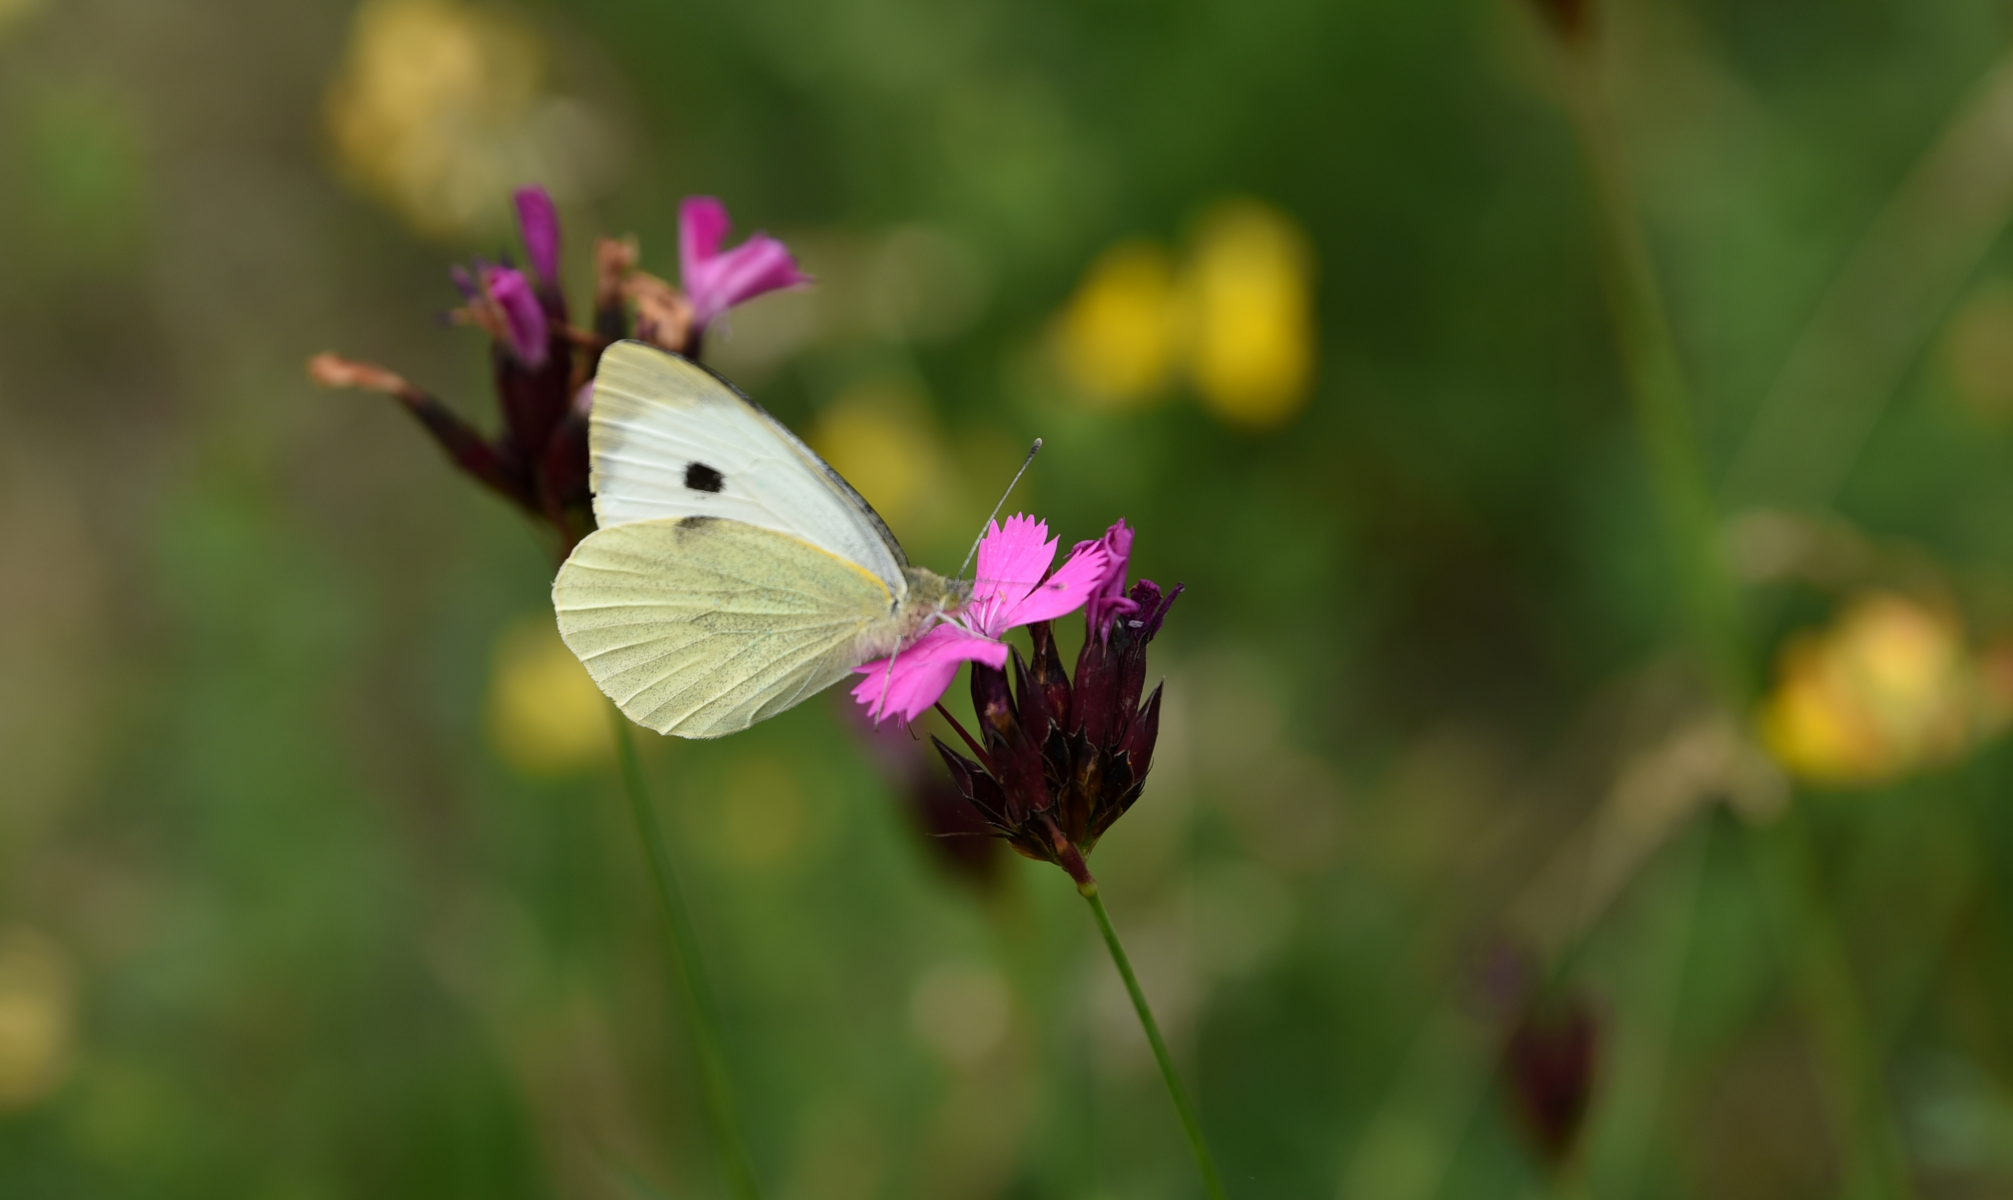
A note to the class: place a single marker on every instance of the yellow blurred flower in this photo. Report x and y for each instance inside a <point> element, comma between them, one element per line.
<point>543,715</point>
<point>37,1016</point>
<point>1237,318</point>
<point>878,435</point>
<point>1115,339</point>
<point>440,109</point>
<point>1250,292</point>
<point>1885,690</point>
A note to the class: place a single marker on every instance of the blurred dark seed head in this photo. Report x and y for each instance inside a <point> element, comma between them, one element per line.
<point>1548,1063</point>
<point>1571,20</point>
<point>1058,761</point>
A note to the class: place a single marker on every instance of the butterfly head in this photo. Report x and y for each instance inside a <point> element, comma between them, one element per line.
<point>930,598</point>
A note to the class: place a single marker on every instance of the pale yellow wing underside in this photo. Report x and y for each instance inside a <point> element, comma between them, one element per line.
<point>701,627</point>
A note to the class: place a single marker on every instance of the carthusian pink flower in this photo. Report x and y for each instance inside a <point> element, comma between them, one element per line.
<point>1012,588</point>
<point>717,280</point>
<point>1057,761</point>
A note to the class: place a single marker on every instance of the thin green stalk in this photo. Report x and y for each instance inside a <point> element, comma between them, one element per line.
<point>702,1019</point>
<point>1211,1181</point>
<point>1889,299</point>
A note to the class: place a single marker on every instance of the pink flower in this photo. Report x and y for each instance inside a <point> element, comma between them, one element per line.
<point>716,281</point>
<point>1013,588</point>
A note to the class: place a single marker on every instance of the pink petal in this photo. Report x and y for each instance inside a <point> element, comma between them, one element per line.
<point>521,312</point>
<point>760,265</point>
<point>922,671</point>
<point>1107,597</point>
<point>702,225</point>
<point>1065,591</point>
<point>1012,559</point>
<point>716,281</point>
<point>538,221</point>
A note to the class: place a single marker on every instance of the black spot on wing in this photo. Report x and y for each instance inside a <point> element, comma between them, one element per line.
<point>702,478</point>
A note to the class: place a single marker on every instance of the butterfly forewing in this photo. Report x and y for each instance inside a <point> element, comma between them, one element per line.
<point>702,627</point>
<point>671,439</point>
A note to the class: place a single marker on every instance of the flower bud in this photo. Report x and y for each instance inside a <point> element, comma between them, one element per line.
<point>1548,1064</point>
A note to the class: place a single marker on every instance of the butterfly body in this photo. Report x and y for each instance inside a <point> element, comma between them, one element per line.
<point>735,574</point>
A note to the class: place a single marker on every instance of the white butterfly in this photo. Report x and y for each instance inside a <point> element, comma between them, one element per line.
<point>734,574</point>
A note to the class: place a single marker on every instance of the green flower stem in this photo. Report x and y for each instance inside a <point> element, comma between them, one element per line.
<point>1211,1181</point>
<point>702,1019</point>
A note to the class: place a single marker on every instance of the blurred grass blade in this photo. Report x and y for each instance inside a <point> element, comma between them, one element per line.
<point>1410,1143</point>
<point>1656,387</point>
<point>1887,302</point>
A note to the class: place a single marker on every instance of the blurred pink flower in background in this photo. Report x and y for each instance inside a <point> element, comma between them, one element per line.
<point>543,366</point>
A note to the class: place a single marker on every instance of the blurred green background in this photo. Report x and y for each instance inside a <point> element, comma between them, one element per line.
<point>314,882</point>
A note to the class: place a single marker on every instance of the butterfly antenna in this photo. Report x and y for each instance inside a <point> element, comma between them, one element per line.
<point>1024,465</point>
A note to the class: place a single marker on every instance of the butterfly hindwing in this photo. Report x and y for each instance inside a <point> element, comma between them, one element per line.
<point>702,627</point>
<point>671,439</point>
